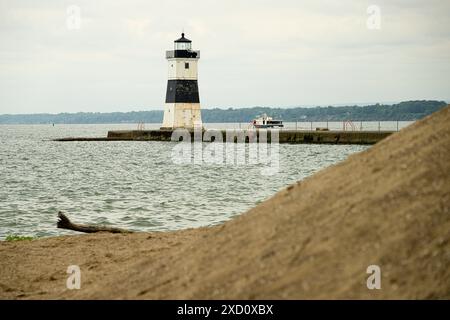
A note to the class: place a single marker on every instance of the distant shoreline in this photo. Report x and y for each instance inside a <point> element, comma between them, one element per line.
<point>403,111</point>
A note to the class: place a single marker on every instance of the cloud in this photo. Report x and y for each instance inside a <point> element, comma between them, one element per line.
<point>254,52</point>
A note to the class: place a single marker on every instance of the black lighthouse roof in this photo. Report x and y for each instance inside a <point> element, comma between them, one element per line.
<point>183,39</point>
<point>182,49</point>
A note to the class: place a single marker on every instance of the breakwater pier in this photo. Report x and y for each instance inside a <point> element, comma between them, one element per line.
<point>237,135</point>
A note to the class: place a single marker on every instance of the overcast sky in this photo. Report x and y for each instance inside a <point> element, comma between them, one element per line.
<point>253,53</point>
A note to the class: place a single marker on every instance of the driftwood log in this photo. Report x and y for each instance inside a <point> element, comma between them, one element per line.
<point>65,223</point>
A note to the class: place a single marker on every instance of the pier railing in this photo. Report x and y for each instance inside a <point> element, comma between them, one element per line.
<point>299,125</point>
<point>332,125</point>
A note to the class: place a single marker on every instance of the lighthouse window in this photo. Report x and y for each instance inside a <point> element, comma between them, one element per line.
<point>186,65</point>
<point>182,46</point>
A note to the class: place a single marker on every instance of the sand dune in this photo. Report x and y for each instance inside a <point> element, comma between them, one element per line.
<point>388,206</point>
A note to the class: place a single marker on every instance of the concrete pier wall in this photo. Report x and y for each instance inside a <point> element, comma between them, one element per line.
<point>285,136</point>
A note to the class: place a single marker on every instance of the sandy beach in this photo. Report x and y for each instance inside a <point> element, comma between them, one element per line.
<point>387,206</point>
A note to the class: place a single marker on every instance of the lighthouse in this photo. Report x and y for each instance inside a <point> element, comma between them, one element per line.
<point>182,108</point>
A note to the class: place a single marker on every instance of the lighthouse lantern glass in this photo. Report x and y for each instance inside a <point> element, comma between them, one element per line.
<point>182,46</point>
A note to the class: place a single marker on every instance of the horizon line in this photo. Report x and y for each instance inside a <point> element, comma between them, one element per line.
<point>353,104</point>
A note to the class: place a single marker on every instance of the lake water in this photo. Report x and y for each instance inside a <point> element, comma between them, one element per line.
<point>133,185</point>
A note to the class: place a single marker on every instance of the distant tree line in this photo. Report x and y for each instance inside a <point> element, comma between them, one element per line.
<point>408,110</point>
<point>403,111</point>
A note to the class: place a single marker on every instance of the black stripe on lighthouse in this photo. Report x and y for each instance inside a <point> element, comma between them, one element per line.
<point>182,91</point>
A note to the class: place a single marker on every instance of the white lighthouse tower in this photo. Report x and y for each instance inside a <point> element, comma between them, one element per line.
<point>182,109</point>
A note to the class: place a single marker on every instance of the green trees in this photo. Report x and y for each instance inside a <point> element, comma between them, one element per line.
<point>403,111</point>
<point>408,110</point>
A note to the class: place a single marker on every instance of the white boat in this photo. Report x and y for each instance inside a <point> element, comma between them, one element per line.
<point>265,121</point>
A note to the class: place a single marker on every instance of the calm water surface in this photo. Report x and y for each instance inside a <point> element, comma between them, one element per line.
<point>132,185</point>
